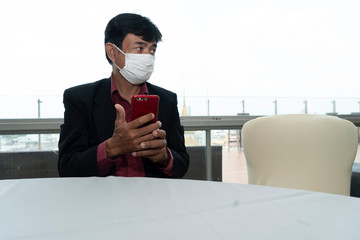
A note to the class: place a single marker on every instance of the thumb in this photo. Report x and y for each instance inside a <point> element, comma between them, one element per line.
<point>120,113</point>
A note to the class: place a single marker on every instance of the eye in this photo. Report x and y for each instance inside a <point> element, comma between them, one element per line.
<point>139,49</point>
<point>152,51</point>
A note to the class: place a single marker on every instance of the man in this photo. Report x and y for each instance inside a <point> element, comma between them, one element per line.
<point>98,138</point>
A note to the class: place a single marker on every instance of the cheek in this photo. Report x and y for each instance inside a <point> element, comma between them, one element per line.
<point>120,61</point>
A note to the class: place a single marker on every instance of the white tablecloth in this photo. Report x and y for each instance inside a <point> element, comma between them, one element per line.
<point>145,208</point>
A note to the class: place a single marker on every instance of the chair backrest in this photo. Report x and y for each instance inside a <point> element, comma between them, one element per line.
<point>301,151</point>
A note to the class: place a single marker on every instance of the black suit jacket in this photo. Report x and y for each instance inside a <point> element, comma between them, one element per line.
<point>89,120</point>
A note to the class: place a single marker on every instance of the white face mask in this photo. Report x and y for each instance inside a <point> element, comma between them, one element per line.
<point>138,67</point>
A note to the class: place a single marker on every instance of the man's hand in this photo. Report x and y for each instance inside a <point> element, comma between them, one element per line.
<point>155,149</point>
<point>127,137</point>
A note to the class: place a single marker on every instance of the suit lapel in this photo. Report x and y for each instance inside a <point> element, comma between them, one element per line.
<point>152,91</point>
<point>104,111</point>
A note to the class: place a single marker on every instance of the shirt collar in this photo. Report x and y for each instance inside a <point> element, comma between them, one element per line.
<point>143,87</point>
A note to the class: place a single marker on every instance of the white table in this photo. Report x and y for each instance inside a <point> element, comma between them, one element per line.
<point>145,208</point>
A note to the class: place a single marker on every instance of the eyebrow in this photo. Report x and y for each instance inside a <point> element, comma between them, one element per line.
<point>145,44</point>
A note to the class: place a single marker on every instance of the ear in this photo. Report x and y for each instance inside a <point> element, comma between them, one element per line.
<point>110,51</point>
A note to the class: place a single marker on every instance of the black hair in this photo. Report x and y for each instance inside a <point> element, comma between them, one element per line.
<point>125,23</point>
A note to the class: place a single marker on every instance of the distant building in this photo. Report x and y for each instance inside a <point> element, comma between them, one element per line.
<point>184,110</point>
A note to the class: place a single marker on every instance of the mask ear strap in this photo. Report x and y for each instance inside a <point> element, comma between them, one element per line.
<point>118,49</point>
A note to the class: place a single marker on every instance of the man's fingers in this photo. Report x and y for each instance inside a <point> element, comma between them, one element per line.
<point>154,144</point>
<point>160,155</point>
<point>120,113</point>
<point>144,130</point>
<point>159,133</point>
<point>140,121</point>
<point>148,153</point>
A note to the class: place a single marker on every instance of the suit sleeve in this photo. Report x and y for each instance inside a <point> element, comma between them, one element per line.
<point>176,143</point>
<point>77,156</point>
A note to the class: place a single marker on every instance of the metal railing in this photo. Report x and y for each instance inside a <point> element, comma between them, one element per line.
<point>190,123</point>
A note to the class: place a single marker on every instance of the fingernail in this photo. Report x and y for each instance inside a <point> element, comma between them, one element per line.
<point>142,145</point>
<point>159,123</point>
<point>133,154</point>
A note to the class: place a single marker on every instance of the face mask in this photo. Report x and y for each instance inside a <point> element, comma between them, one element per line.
<point>138,67</point>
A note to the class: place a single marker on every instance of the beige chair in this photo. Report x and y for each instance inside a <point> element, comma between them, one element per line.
<point>301,151</point>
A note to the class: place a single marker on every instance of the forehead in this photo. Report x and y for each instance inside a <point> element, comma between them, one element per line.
<point>134,39</point>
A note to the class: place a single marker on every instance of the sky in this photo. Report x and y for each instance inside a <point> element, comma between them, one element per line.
<point>229,50</point>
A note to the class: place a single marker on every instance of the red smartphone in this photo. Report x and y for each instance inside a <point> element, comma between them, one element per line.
<point>144,104</point>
